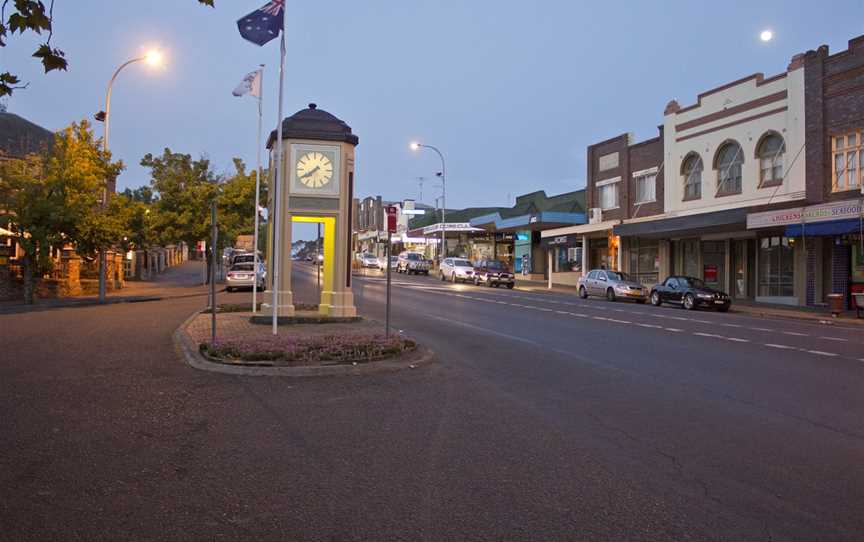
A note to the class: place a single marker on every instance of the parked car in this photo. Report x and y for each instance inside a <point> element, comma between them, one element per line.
<point>412,262</point>
<point>369,261</point>
<point>493,273</point>
<point>382,262</point>
<point>309,257</point>
<point>457,269</point>
<point>690,293</point>
<point>612,285</point>
<point>241,275</point>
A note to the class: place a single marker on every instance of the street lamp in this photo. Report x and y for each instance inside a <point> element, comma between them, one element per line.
<point>417,146</point>
<point>154,59</point>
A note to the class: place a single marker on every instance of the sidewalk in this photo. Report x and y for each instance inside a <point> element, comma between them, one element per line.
<point>183,280</point>
<point>741,307</point>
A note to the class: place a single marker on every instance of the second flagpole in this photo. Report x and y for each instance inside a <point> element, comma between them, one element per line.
<point>257,192</point>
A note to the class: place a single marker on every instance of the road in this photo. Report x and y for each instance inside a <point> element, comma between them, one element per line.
<point>546,418</point>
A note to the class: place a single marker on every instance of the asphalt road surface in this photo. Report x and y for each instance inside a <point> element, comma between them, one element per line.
<point>545,418</point>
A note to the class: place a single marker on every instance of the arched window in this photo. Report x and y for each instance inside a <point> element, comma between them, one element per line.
<point>728,162</point>
<point>691,169</point>
<point>770,153</point>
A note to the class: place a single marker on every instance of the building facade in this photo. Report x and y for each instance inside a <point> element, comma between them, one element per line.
<point>828,224</point>
<point>738,150</point>
<point>623,183</point>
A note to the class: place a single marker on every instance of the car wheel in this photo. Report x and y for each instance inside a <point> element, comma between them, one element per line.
<point>723,308</point>
<point>426,273</point>
<point>489,283</point>
<point>610,294</point>
<point>655,299</point>
<point>453,278</point>
<point>583,293</point>
<point>442,276</point>
<point>510,286</point>
<point>689,302</point>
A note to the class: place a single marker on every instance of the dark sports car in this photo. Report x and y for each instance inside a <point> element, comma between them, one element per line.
<point>690,293</point>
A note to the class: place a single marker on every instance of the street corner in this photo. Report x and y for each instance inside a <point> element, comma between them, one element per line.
<point>244,348</point>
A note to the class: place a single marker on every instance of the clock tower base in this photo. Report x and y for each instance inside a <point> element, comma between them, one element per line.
<point>286,304</point>
<point>337,304</point>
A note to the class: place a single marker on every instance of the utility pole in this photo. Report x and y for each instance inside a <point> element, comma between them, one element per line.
<point>214,232</point>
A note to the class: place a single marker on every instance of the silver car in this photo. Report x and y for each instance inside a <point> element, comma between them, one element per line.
<point>369,261</point>
<point>241,276</point>
<point>457,269</point>
<point>612,285</point>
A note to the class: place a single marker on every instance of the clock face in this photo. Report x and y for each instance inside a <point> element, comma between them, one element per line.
<point>314,170</point>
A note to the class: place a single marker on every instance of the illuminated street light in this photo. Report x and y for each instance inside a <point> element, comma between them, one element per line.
<point>153,58</point>
<point>766,35</point>
<point>443,251</point>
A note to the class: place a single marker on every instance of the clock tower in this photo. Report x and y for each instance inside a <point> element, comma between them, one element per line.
<point>318,157</point>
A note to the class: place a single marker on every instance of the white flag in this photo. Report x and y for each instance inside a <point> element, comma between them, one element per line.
<point>251,84</point>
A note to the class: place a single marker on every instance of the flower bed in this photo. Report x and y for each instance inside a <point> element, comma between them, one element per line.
<point>309,350</point>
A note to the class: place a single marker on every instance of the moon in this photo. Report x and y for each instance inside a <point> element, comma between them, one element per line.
<point>766,35</point>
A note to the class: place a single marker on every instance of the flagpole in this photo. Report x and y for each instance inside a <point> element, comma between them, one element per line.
<point>257,192</point>
<point>277,192</point>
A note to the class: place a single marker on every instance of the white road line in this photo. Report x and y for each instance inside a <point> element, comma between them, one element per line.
<point>820,353</point>
<point>620,321</point>
<point>732,325</point>
<point>673,329</point>
<point>794,333</point>
<point>781,346</point>
<point>761,329</point>
<point>700,334</point>
<point>561,312</point>
<point>579,314</point>
<point>653,326</point>
<point>834,339</point>
<point>599,318</point>
<point>737,340</point>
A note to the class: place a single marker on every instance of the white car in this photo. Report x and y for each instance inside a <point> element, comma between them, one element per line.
<point>457,269</point>
<point>369,260</point>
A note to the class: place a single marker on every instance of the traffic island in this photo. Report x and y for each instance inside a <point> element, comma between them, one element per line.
<point>307,345</point>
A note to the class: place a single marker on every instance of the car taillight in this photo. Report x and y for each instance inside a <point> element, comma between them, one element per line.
<point>231,274</point>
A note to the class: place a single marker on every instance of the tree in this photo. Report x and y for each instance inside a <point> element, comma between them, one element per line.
<point>185,188</point>
<point>236,204</point>
<point>142,194</point>
<point>52,198</point>
<point>34,16</point>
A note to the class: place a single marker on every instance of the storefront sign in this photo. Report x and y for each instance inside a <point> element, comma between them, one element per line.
<point>807,215</point>
<point>450,226</point>
<point>710,273</point>
<point>561,240</point>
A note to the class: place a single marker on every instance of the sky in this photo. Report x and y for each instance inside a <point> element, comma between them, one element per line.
<point>511,92</point>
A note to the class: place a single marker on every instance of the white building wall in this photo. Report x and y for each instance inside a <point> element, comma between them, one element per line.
<point>705,139</point>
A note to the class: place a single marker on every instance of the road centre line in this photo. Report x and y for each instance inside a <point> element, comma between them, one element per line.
<point>820,353</point>
<point>794,333</point>
<point>835,339</point>
<point>781,346</point>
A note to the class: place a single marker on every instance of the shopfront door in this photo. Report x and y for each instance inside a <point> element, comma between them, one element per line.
<point>739,269</point>
<point>714,264</point>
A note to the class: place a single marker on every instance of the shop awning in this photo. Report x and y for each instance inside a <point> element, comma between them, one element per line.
<point>833,227</point>
<point>696,224</point>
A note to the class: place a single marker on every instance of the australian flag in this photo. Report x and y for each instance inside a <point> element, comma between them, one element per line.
<point>263,24</point>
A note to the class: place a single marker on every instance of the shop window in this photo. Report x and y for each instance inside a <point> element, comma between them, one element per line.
<point>848,161</point>
<point>729,163</point>
<point>646,188</point>
<point>645,262</point>
<point>692,171</point>
<point>771,151</point>
<point>776,267</point>
<point>567,259</point>
<point>607,194</point>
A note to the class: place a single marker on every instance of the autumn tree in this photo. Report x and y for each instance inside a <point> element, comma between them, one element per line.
<point>54,199</point>
<point>237,203</point>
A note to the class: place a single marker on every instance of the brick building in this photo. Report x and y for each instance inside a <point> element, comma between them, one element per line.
<point>828,224</point>
<point>623,184</point>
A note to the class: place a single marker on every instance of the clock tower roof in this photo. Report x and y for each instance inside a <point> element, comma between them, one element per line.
<point>314,123</point>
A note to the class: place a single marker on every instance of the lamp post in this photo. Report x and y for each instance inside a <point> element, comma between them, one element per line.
<point>153,58</point>
<point>443,253</point>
